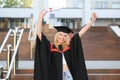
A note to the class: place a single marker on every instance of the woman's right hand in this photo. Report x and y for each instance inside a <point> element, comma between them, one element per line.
<point>39,24</point>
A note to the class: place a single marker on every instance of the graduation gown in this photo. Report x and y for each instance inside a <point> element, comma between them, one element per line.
<point>48,60</point>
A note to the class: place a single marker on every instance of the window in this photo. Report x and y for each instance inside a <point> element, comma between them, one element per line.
<point>101,4</point>
<point>115,5</point>
<point>80,4</point>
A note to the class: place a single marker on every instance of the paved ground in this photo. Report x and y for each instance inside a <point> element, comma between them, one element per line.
<point>27,64</point>
<point>90,64</point>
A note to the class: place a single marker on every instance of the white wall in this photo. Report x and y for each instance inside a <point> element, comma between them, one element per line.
<point>16,12</point>
<point>103,22</point>
<point>77,13</point>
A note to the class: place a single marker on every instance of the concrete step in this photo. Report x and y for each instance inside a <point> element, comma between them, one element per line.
<point>97,70</point>
<point>90,64</point>
<point>22,64</point>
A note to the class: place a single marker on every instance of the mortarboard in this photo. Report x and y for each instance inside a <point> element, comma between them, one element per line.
<point>64,29</point>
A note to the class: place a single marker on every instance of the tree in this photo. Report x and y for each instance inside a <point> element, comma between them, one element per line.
<point>1,3</point>
<point>16,3</point>
<point>26,3</point>
<point>10,3</point>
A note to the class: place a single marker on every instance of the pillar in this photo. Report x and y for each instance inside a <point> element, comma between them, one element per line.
<point>86,12</point>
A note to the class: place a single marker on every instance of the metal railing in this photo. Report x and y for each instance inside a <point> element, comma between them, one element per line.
<point>1,71</point>
<point>5,40</point>
<point>32,35</point>
<point>12,60</point>
<point>116,29</point>
<point>31,38</point>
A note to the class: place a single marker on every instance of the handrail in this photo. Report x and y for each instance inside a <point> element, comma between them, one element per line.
<point>4,42</point>
<point>33,34</point>
<point>32,30</point>
<point>9,46</point>
<point>1,71</point>
<point>31,38</point>
<point>116,29</point>
<point>15,52</point>
<point>14,55</point>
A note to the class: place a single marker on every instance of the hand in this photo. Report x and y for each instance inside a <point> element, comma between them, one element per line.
<point>42,13</point>
<point>94,17</point>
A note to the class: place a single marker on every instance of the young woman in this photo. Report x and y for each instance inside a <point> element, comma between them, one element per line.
<point>63,60</point>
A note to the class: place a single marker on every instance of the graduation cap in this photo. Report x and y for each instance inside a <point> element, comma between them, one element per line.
<point>64,29</point>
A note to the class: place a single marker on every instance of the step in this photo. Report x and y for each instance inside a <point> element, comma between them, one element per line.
<point>22,64</point>
<point>24,47</point>
<point>90,64</point>
<point>104,74</point>
<point>25,70</point>
<point>93,74</point>
<point>99,43</point>
<point>22,77</point>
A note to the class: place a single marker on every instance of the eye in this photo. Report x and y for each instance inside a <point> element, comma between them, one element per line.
<point>65,35</point>
<point>60,34</point>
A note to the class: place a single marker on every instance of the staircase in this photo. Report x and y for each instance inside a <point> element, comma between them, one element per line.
<point>99,43</point>
<point>24,50</point>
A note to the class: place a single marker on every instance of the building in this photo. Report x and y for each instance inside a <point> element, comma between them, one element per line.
<point>75,13</point>
<point>101,45</point>
<point>16,16</point>
<point>78,12</point>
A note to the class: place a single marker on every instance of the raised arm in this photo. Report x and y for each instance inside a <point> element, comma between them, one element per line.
<point>39,24</point>
<point>84,29</point>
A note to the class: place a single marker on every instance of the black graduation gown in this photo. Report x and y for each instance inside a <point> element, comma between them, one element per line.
<point>48,60</point>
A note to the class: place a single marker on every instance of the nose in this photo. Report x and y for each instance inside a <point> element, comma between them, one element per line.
<point>62,36</point>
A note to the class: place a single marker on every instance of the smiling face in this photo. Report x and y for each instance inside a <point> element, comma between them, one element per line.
<point>61,38</point>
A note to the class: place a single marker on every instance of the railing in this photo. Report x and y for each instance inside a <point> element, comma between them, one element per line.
<point>12,60</point>
<point>1,71</point>
<point>4,42</point>
<point>31,38</point>
<point>32,35</point>
<point>116,29</point>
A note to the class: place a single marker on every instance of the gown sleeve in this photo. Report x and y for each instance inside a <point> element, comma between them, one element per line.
<point>42,59</point>
<point>78,61</point>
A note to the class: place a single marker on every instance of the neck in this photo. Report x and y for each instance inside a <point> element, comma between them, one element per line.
<point>59,43</point>
<point>60,47</point>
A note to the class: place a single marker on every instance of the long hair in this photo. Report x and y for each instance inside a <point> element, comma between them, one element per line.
<point>65,44</point>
